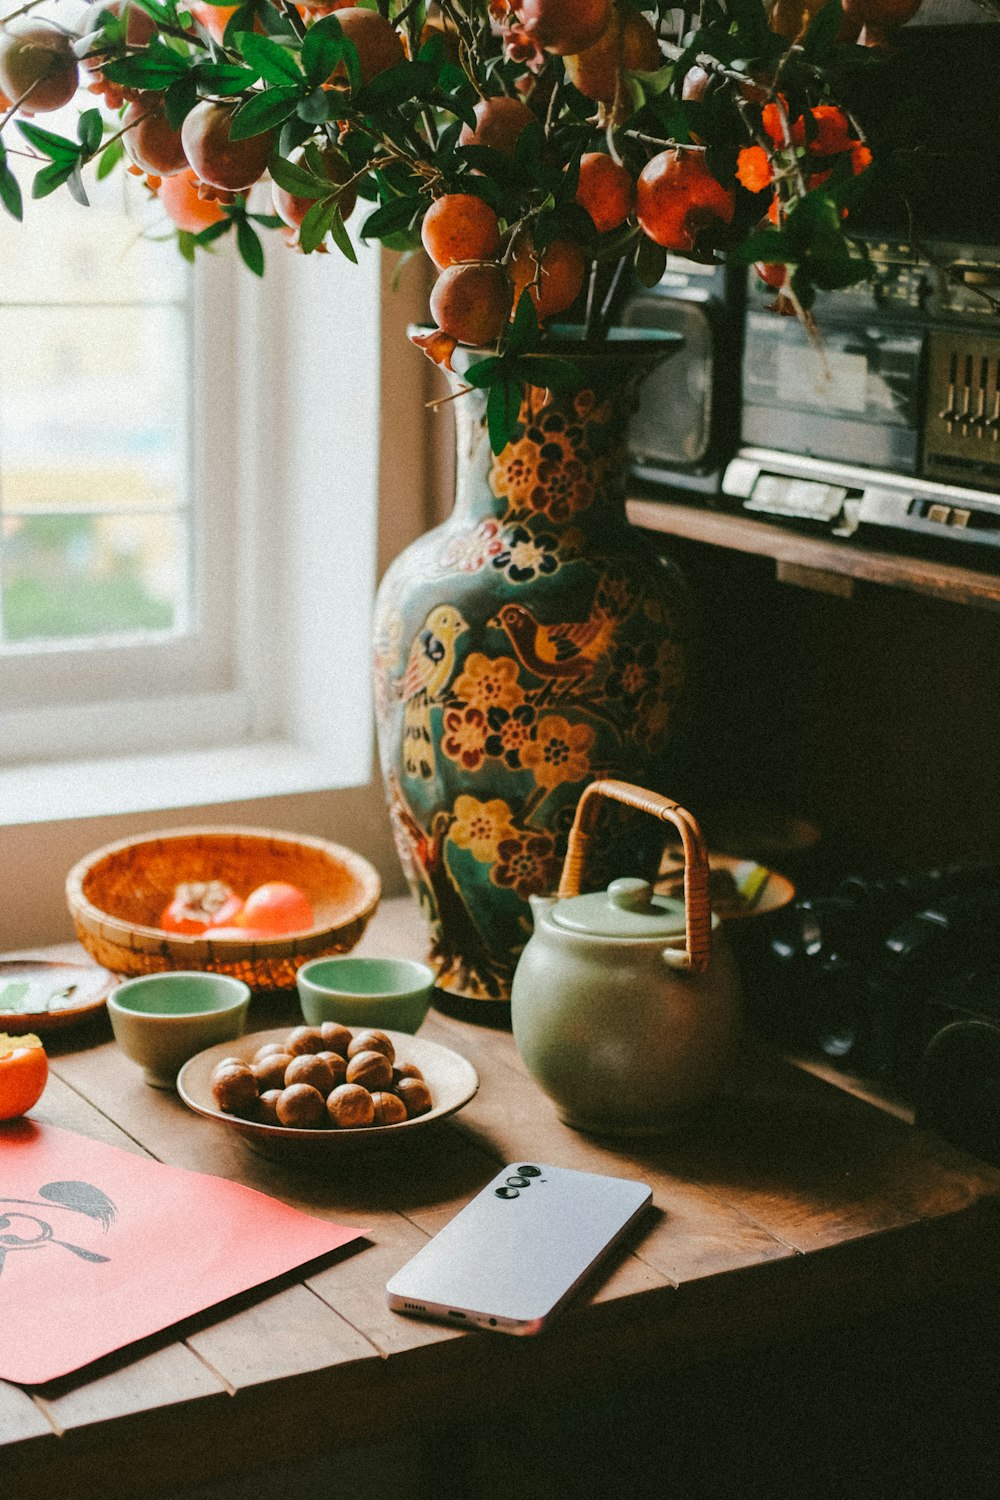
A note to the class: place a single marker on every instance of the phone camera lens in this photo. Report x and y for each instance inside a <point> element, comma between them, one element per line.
<point>507,1192</point>
<point>518,1182</point>
<point>530,1171</point>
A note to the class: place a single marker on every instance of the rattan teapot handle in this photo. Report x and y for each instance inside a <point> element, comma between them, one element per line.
<point>698,914</point>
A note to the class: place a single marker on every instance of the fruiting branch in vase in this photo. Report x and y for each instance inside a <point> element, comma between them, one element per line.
<point>543,152</point>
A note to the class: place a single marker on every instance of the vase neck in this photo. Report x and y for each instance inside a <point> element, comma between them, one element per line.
<point>567,460</point>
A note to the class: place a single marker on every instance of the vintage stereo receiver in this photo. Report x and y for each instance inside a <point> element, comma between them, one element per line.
<point>888,425</point>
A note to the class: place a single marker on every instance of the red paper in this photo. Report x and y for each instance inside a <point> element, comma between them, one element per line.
<point>99,1247</point>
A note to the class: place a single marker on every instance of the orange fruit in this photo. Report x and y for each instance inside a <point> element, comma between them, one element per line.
<point>605,190</point>
<point>460,227</point>
<point>24,1072</point>
<point>677,199</point>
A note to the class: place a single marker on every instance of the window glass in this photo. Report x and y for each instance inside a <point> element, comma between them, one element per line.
<point>96,520</point>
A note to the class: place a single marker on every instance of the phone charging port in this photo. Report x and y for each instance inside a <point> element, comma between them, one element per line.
<point>453,1314</point>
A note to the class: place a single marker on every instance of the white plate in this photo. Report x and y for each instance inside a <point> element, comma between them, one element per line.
<point>451,1079</point>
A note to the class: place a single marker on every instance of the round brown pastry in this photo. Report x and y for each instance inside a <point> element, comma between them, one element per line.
<point>267,1111</point>
<point>267,1050</point>
<point>337,1065</point>
<point>336,1038</point>
<point>269,1070</point>
<point>371,1041</point>
<point>405,1070</point>
<point>416,1096</point>
<point>372,1070</point>
<point>301,1106</point>
<point>304,1039</point>
<point>234,1088</point>
<point>350,1107</point>
<point>308,1067</point>
<point>389,1110</point>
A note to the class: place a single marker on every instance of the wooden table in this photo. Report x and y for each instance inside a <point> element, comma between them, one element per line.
<point>788,1211</point>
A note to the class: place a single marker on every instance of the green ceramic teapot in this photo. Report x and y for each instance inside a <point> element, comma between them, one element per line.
<point>625,1004</point>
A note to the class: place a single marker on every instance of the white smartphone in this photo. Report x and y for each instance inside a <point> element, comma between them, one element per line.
<point>514,1255</point>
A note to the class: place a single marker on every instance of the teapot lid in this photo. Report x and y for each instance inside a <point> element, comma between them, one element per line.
<point>627,909</point>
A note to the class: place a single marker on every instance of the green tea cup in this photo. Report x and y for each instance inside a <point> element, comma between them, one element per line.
<point>161,1020</point>
<point>387,993</point>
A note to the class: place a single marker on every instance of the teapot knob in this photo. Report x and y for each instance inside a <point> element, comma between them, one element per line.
<point>629,893</point>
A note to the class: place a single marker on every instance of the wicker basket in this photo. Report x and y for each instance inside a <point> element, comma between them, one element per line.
<point>116,894</point>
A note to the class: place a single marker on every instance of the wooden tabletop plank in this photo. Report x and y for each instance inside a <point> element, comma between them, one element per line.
<point>290,1333</point>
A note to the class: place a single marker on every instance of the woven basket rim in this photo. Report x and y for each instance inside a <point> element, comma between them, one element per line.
<point>139,937</point>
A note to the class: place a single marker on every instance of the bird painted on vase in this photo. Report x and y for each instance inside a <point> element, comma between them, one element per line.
<point>428,670</point>
<point>564,653</point>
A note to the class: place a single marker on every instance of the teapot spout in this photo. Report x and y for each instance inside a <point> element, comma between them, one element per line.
<point>541,904</point>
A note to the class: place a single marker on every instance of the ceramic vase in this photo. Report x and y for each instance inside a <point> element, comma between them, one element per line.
<point>533,642</point>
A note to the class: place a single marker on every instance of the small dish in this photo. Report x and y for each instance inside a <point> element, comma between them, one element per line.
<point>451,1078</point>
<point>40,994</point>
<point>737,888</point>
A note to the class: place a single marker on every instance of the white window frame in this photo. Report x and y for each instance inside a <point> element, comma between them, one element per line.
<point>323,354</point>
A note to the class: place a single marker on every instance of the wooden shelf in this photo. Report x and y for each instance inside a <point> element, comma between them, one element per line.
<point>817,555</point>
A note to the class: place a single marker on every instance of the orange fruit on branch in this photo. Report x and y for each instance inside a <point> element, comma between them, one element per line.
<point>179,196</point>
<point>677,199</point>
<point>215,156</point>
<point>470,302</point>
<point>605,189</point>
<point>553,278</point>
<point>499,122</point>
<point>629,44</point>
<point>151,141</point>
<point>38,66</point>
<point>564,26</point>
<point>460,227</point>
<point>377,42</point>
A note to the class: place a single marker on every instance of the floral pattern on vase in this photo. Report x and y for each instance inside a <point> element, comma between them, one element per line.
<point>533,642</point>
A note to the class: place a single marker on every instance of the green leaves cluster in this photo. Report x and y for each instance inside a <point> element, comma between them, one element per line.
<point>505,375</point>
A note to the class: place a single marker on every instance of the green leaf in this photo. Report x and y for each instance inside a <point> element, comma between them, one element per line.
<point>273,63</point>
<point>10,192</point>
<point>545,371</point>
<point>317,224</point>
<point>51,177</point>
<point>223,78</point>
<point>109,159</point>
<point>396,214</point>
<point>318,106</point>
<point>56,147</point>
<point>89,130</point>
<point>395,85</point>
<point>502,407</point>
<point>772,246</point>
<point>263,112</point>
<point>824,27</point>
<point>185,244</point>
<point>523,331</point>
<point>75,184</point>
<point>156,68</point>
<point>295,179</point>
<point>322,49</point>
<point>250,248</point>
<point>179,100</point>
<point>340,237</point>
<point>650,261</point>
<point>486,372</point>
<point>206,236</point>
<point>164,14</point>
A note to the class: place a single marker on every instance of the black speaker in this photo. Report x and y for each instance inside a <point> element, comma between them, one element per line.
<point>687,426</point>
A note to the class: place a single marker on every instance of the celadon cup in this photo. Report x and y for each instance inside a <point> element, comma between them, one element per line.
<point>387,993</point>
<point>161,1020</point>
